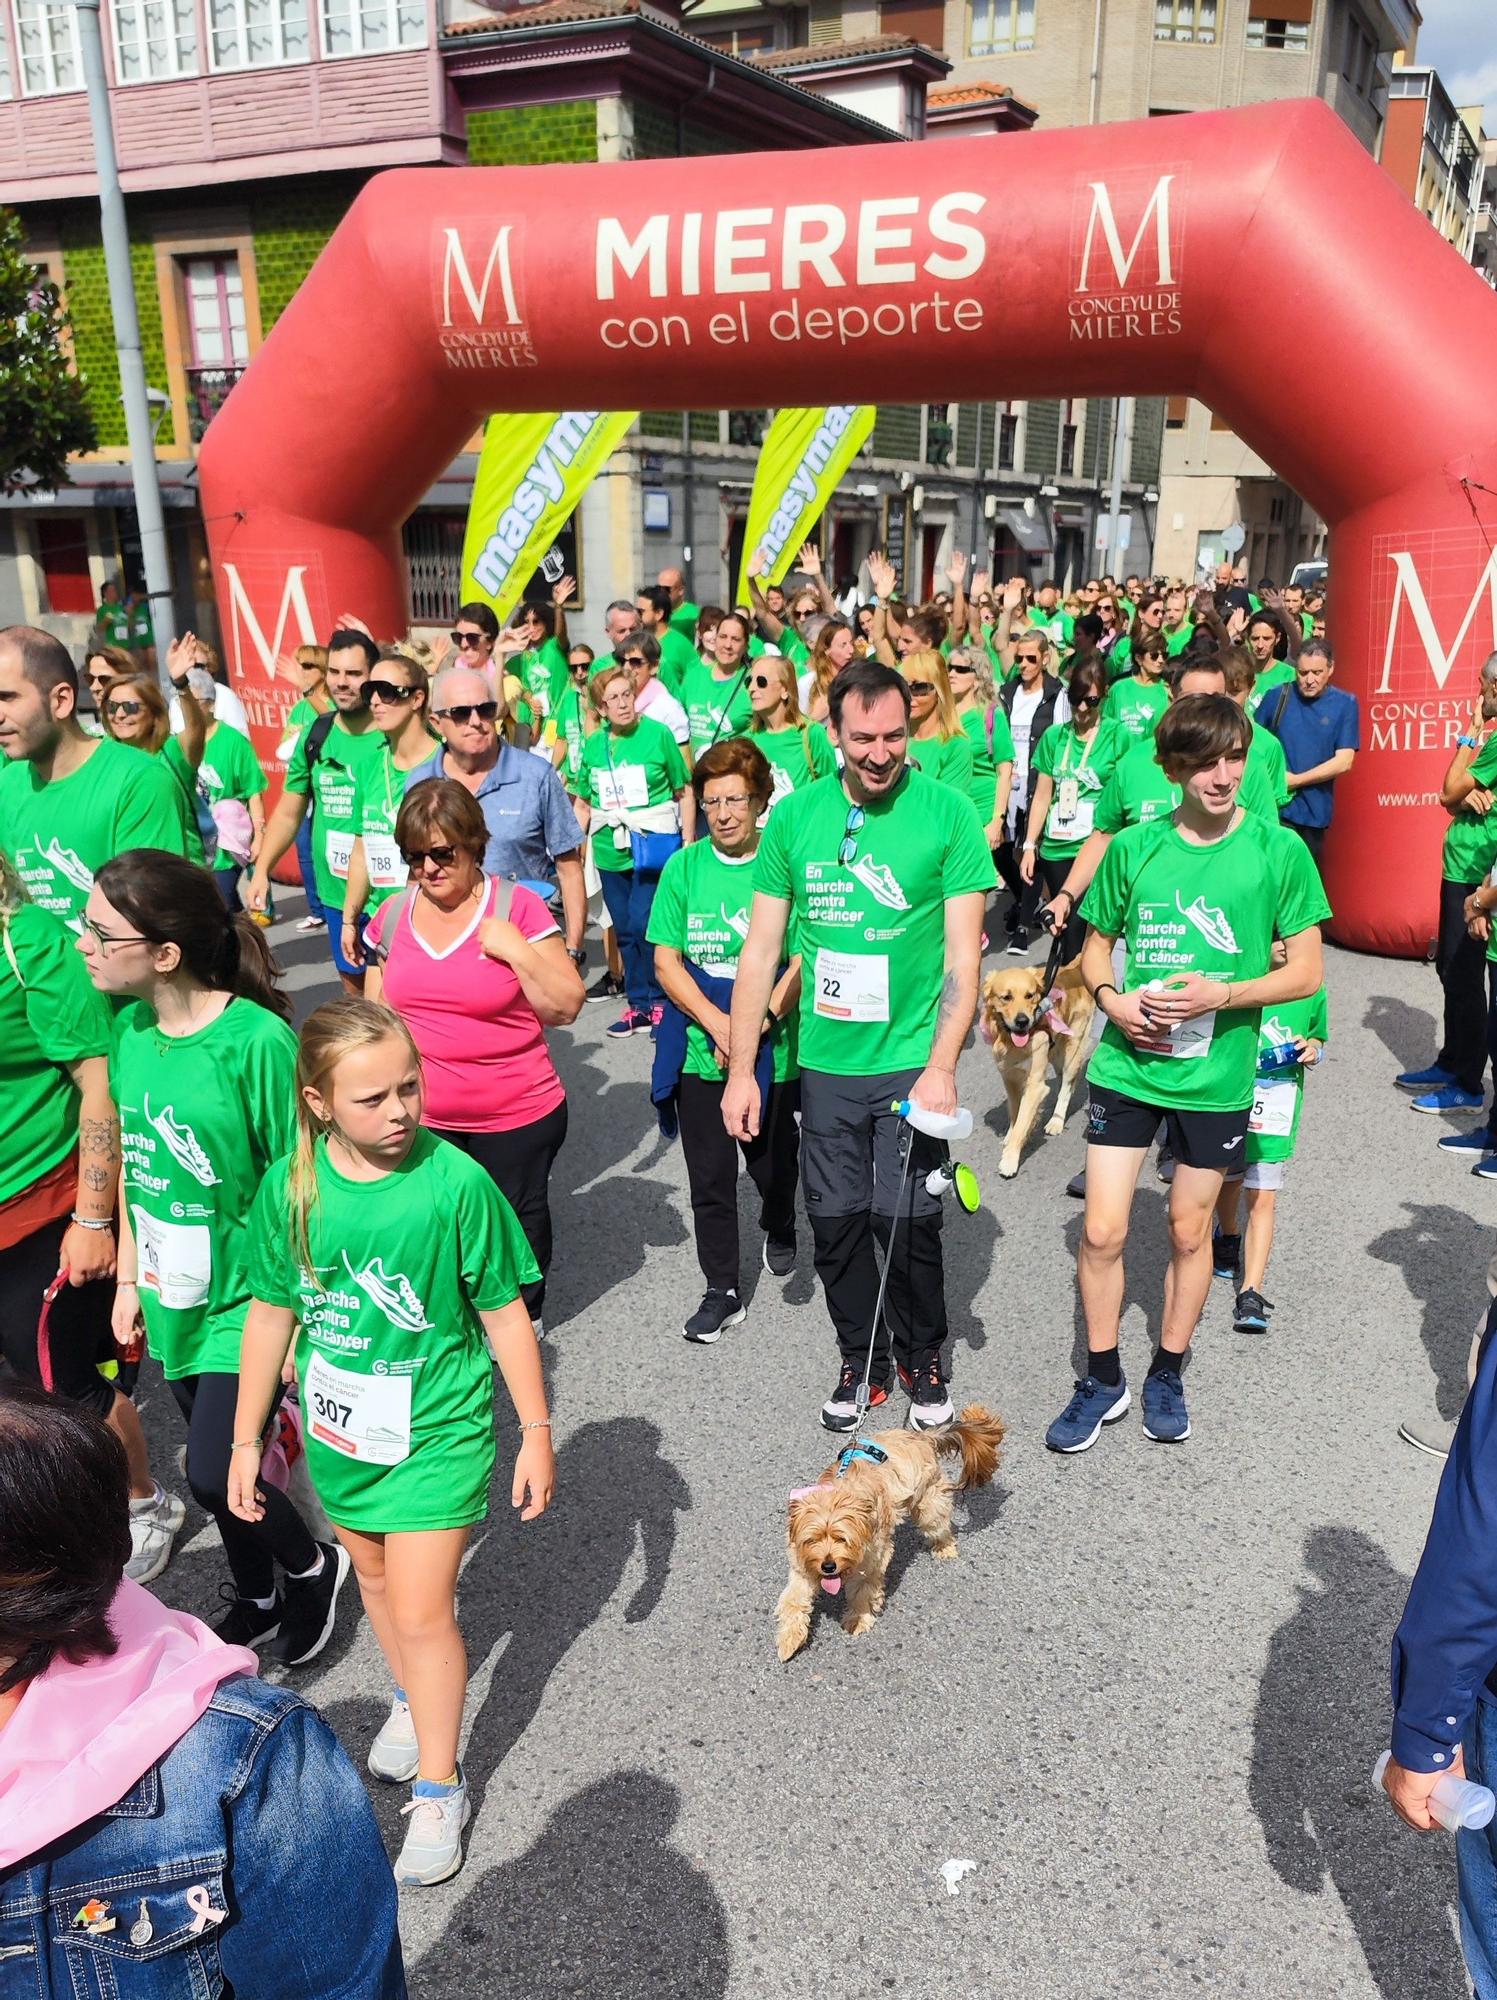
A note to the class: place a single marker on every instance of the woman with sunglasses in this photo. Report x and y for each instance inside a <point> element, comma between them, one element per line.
<point>476,968</point>
<point>798,752</point>
<point>939,745</point>
<point>1072,762</point>
<point>990,736</point>
<point>1136,702</point>
<point>474,635</point>
<point>1141,623</point>
<point>832,648</point>
<point>1031,699</point>
<point>397,692</point>
<point>574,717</point>
<point>102,667</point>
<point>135,712</point>
<point>697,928</point>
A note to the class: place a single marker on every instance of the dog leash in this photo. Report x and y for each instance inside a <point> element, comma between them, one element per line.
<point>864,1397</point>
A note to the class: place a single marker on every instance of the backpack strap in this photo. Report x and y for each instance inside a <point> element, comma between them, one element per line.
<point>1278,716</point>
<point>318,735</point>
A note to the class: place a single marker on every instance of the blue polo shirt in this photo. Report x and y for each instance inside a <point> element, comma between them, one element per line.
<point>1311,732</point>
<point>525,810</point>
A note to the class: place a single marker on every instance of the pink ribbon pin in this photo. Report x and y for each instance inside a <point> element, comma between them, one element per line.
<point>201,1905</point>
<point>803,1492</point>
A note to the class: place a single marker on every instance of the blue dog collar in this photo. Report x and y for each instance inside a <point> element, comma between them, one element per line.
<point>864,1449</point>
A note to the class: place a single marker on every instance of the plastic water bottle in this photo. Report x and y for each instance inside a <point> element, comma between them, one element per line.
<point>1283,1055</point>
<point>935,1124</point>
<point>1455,1802</point>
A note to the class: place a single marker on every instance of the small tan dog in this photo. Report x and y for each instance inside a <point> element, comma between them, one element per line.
<point>1029,1030</point>
<point>841,1532</point>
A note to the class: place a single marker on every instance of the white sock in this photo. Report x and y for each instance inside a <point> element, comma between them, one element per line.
<point>262,1603</point>
<point>301,1576</point>
<point>145,1506</point>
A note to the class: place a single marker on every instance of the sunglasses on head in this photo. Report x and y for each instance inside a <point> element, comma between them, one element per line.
<point>124,708</point>
<point>385,691</point>
<point>415,857</point>
<point>470,711</point>
<point>462,640</point>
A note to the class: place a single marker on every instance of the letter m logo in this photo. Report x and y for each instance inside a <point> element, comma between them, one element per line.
<point>495,273</point>
<point>293,622</point>
<point>1409,597</point>
<point>1108,265</point>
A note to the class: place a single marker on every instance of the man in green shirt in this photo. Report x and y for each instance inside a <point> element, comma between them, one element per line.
<point>1198,899</point>
<point>684,613</point>
<point>678,655</point>
<point>880,876</point>
<point>324,767</point>
<point>69,802</point>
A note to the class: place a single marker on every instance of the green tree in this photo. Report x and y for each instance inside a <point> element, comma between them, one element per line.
<point>44,413</point>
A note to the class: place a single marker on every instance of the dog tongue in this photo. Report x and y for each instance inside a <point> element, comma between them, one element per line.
<point>831,1585</point>
<point>1019,1041</point>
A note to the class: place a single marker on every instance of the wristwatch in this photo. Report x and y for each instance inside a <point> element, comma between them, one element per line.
<point>579,956</point>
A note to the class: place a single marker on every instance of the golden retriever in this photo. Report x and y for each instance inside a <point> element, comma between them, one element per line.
<point>841,1532</point>
<point>1029,1030</point>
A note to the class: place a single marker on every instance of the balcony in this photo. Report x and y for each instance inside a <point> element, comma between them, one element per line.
<point>207,392</point>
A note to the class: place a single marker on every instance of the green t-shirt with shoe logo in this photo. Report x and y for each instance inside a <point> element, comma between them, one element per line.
<point>797,757</point>
<point>1278,1094</point>
<point>1136,705</point>
<point>701,910</point>
<point>51,1015</point>
<point>60,831</point>
<point>1079,769</point>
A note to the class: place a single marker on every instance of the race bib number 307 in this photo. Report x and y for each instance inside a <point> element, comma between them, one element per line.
<point>365,1417</point>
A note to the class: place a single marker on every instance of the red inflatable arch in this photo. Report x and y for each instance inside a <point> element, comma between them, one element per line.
<point>1255,258</point>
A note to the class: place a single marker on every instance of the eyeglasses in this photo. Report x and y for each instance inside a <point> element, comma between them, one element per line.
<point>733,802</point>
<point>847,852</point>
<point>463,640</point>
<point>468,711</point>
<point>385,691</point>
<point>104,939</point>
<point>123,707</point>
<point>414,857</point>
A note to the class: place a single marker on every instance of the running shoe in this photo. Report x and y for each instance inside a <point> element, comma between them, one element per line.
<point>657,1015</point>
<point>1094,1404</point>
<point>1433,1078</point>
<point>1432,1436</point>
<point>154,1525</point>
<point>1076,1185</point>
<point>1251,1312</point>
<point>1164,1166</point>
<point>1478,1141</point>
<point>310,1608</point>
<point>1226,1254</point>
<point>1018,944</point>
<point>1486,1169</point>
<point>433,1847</point>
<point>930,1405</point>
<point>246,1623</point>
<point>606,987</point>
<point>840,1410</point>
<point>633,1021</point>
<point>1449,1097</point>
<point>717,1310</point>
<point>779,1255</point>
<point>393,1755</point>
<point>1166,1419</point>
<point>311,924</point>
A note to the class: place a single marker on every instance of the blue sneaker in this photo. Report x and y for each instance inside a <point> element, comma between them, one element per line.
<point>1486,1170</point>
<point>1166,1418</point>
<point>1251,1314</point>
<point>1226,1254</point>
<point>1079,1424</point>
<point>1450,1097</point>
<point>1433,1078</point>
<point>633,1021</point>
<point>1478,1141</point>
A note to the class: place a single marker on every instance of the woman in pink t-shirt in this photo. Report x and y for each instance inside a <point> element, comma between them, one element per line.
<point>477,969</point>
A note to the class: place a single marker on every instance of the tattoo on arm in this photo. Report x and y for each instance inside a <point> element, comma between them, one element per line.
<point>100,1137</point>
<point>98,1180</point>
<point>947,1005</point>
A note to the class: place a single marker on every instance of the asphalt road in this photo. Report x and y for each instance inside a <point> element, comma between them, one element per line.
<point>1146,1700</point>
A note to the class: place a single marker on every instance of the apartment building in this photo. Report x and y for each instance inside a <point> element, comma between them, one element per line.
<point>1436,154</point>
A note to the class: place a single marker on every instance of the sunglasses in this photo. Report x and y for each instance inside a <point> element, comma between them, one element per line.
<point>1085,700</point>
<point>960,667</point>
<point>386,691</point>
<point>920,687</point>
<point>414,857</point>
<point>580,667</point>
<point>760,681</point>
<point>631,659</point>
<point>463,640</point>
<point>847,852</point>
<point>124,708</point>
<point>470,711</point>
<point>1029,659</point>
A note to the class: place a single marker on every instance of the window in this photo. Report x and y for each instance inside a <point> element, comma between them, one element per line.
<point>364,27</point>
<point>256,34</point>
<point>1070,432</point>
<point>998,27</point>
<point>1176,413</point>
<point>47,44</point>
<point>434,564</point>
<point>917,20</point>
<point>154,38</point>
<point>1185,20</point>
<point>1008,440</point>
<point>1358,57</point>
<point>218,341</point>
<point>1279,24</point>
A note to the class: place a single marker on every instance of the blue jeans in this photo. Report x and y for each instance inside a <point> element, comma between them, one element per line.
<point>630,897</point>
<point>1476,1859</point>
<point>308,872</point>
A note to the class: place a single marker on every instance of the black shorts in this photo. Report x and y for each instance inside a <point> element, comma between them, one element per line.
<point>1210,1139</point>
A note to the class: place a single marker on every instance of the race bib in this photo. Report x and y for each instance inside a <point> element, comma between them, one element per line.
<point>1188,1039</point>
<point>850,987</point>
<point>1073,820</point>
<point>386,869</point>
<point>1274,1101</point>
<point>366,1417</point>
<point>623,788</point>
<point>176,1259</point>
<point>338,850</point>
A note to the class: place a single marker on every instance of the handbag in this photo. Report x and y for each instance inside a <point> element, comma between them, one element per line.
<point>648,850</point>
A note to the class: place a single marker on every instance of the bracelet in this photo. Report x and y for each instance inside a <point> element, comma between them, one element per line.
<point>537,1424</point>
<point>1466,742</point>
<point>92,1222</point>
<point>1106,987</point>
<point>248,1444</point>
<point>1069,894</point>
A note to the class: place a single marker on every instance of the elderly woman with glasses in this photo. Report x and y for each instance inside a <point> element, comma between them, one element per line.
<point>698,925</point>
<point>640,652</point>
<point>475,966</point>
<point>1072,762</point>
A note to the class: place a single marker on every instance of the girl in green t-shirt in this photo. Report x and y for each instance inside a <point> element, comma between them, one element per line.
<point>396,1265</point>
<point>135,712</point>
<point>798,752</point>
<point>831,650</point>
<point>202,1071</point>
<point>939,745</point>
<point>990,736</point>
<point>1072,762</point>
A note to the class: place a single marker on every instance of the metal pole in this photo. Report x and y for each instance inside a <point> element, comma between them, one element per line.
<point>153,544</point>
<point>1119,461</point>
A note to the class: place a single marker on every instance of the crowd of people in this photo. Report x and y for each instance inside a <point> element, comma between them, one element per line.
<point>796,828</point>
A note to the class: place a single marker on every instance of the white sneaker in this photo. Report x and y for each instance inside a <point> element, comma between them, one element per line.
<point>311,924</point>
<point>393,1755</point>
<point>153,1529</point>
<point>433,1847</point>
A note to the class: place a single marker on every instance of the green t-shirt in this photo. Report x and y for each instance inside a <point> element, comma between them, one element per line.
<point>1136,705</point>
<point>59,833</point>
<point>174,758</point>
<point>542,671</point>
<point>112,623</point>
<point>379,793</point>
<point>332,783</point>
<point>871,933</point>
<point>794,648</point>
<point>1266,767</point>
<point>569,727</point>
<point>1273,1128</point>
<point>985,762</point>
<point>1079,770</point>
<point>1276,674</point>
<point>797,757</point>
<point>298,716</point>
<point>1176,640</point>
<point>677,658</point>
<point>948,758</point>
<point>397,1388</point>
<point>685,617</point>
<point>1059,625</point>
<point>624,773</point>
<point>1466,838</point>
<point>1137,790</point>
<point>229,770</point>
<point>706,700</point>
<point>1214,910</point>
<point>701,910</point>
<point>202,1117</point>
<point>50,1016</point>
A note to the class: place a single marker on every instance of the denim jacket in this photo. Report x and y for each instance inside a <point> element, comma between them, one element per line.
<point>256,1813</point>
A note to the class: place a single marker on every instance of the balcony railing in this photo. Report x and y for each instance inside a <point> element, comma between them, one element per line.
<point>207,392</point>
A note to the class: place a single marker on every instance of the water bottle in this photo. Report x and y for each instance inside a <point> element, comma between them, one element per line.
<point>1283,1055</point>
<point>1455,1802</point>
<point>935,1124</point>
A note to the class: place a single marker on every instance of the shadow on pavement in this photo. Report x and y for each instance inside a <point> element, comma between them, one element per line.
<point>1442,1253</point>
<point>602,1906</point>
<point>1321,1720</point>
<point>1409,1034</point>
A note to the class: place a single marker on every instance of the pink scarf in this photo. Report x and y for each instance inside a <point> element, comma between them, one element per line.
<point>80,1737</point>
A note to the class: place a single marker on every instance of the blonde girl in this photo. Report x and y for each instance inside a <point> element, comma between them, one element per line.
<point>938,742</point>
<point>396,1264</point>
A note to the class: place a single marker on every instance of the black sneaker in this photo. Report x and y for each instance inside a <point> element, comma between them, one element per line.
<point>930,1406</point>
<point>1226,1255</point>
<point>1018,943</point>
<point>840,1410</point>
<point>779,1255</point>
<point>605,987</point>
<point>1252,1312</point>
<point>717,1310</point>
<point>311,1604</point>
<point>245,1623</point>
<point>1076,1185</point>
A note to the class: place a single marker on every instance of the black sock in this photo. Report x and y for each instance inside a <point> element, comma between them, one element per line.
<point>1103,1364</point>
<point>1165,1363</point>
